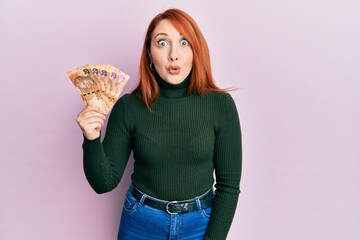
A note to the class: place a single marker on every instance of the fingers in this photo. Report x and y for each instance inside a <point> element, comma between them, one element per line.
<point>91,120</point>
<point>92,123</point>
<point>91,117</point>
<point>90,108</point>
<point>91,130</point>
<point>90,114</point>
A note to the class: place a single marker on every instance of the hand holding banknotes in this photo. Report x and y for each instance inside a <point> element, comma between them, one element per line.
<point>99,86</point>
<point>90,120</point>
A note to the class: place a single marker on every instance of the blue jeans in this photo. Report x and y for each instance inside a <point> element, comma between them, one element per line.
<point>141,222</point>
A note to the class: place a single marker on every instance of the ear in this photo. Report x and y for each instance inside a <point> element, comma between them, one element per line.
<point>148,52</point>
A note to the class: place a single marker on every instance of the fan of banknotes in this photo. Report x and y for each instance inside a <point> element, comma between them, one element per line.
<point>99,84</point>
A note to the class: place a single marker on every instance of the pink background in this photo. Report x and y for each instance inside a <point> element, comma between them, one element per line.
<point>297,67</point>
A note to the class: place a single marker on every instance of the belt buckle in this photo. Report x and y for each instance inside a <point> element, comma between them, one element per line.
<point>167,207</point>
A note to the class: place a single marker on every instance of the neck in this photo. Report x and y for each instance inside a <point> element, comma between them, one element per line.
<point>173,90</point>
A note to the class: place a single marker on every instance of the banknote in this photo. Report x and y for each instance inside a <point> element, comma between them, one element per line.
<point>98,84</point>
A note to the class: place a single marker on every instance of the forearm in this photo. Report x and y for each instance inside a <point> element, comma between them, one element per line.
<point>97,167</point>
<point>228,164</point>
<point>224,207</point>
<point>105,162</point>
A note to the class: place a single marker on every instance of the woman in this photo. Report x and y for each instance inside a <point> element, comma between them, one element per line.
<point>181,127</point>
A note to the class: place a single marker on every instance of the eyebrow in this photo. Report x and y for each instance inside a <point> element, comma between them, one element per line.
<point>165,34</point>
<point>160,34</point>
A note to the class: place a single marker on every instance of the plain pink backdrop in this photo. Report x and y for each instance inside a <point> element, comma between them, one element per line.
<point>297,67</point>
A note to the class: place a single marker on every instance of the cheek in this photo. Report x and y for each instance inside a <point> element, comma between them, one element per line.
<point>190,59</point>
<point>156,61</point>
<point>156,57</point>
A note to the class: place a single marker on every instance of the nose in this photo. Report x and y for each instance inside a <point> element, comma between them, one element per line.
<point>172,59</point>
<point>173,55</point>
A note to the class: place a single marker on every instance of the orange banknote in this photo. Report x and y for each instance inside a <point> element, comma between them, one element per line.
<point>99,85</point>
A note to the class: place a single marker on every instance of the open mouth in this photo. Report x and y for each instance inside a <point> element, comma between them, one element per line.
<point>173,69</point>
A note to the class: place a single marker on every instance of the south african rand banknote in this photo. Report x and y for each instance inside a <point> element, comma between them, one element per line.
<point>99,85</point>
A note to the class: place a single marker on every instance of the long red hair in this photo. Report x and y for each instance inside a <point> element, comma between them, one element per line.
<point>201,80</point>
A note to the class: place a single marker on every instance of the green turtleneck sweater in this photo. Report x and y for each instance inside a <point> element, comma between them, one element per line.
<point>176,148</point>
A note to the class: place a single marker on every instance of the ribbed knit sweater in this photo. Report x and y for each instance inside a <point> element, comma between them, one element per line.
<point>176,149</point>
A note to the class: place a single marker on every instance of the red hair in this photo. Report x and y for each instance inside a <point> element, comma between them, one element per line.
<point>201,80</point>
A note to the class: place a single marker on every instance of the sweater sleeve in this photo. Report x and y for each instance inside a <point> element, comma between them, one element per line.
<point>228,163</point>
<point>105,162</point>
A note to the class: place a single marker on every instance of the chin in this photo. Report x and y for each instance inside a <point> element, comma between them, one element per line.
<point>175,80</point>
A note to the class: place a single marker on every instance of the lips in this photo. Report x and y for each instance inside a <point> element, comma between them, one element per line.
<point>173,69</point>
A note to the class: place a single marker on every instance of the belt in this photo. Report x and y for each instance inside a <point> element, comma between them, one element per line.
<point>175,207</point>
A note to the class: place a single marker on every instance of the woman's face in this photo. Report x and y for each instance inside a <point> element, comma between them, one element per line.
<point>170,53</point>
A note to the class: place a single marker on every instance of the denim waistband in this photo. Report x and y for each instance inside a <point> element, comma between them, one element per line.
<point>174,207</point>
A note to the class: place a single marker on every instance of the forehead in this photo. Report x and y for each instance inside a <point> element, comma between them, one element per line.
<point>166,27</point>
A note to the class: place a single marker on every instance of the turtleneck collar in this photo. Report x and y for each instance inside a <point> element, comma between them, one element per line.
<point>168,90</point>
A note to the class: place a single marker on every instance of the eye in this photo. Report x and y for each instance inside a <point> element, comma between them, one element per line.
<point>184,42</point>
<point>162,43</point>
